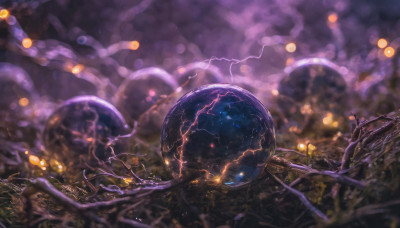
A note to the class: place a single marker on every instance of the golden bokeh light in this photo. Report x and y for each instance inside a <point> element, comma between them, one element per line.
<point>332,18</point>
<point>382,43</point>
<point>77,69</point>
<point>389,52</point>
<point>217,180</point>
<point>329,121</point>
<point>27,42</point>
<point>306,109</point>
<point>301,147</point>
<point>275,92</point>
<point>134,45</point>
<point>4,14</point>
<point>127,180</point>
<point>294,129</point>
<point>34,160</point>
<point>23,102</point>
<point>290,47</point>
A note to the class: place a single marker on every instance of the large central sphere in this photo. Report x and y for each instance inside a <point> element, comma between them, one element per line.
<point>220,130</point>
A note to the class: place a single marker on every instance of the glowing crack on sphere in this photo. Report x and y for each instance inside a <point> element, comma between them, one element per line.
<point>16,88</point>
<point>220,130</point>
<point>197,74</point>
<point>82,127</point>
<point>140,92</point>
<point>315,81</point>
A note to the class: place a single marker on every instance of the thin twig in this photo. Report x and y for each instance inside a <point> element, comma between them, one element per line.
<point>279,149</point>
<point>315,211</point>
<point>133,223</point>
<point>287,164</point>
<point>41,184</point>
<point>335,176</point>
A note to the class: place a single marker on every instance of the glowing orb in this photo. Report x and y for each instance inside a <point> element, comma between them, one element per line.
<point>83,127</point>
<point>16,88</point>
<point>197,74</point>
<point>315,81</point>
<point>141,92</point>
<point>218,130</point>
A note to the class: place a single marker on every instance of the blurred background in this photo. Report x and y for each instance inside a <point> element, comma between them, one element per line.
<point>72,47</point>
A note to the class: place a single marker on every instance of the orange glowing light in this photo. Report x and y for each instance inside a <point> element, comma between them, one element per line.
<point>23,102</point>
<point>27,42</point>
<point>34,160</point>
<point>166,162</point>
<point>181,70</point>
<point>290,47</point>
<point>294,129</point>
<point>217,180</point>
<point>301,147</point>
<point>306,109</point>
<point>134,45</point>
<point>77,69</point>
<point>127,180</point>
<point>332,18</point>
<point>4,14</point>
<point>389,52</point>
<point>329,121</point>
<point>289,61</point>
<point>382,43</point>
<point>26,152</point>
<point>275,92</point>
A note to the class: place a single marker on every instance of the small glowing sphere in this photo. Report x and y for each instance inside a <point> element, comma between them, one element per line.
<point>290,47</point>
<point>197,74</point>
<point>389,52</point>
<point>83,127</point>
<point>332,18</point>
<point>16,88</point>
<point>139,93</point>
<point>218,130</point>
<point>27,43</point>
<point>382,43</point>
<point>4,14</point>
<point>134,45</point>
<point>314,81</point>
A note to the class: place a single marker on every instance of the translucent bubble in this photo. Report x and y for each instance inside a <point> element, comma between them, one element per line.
<point>317,82</point>
<point>81,129</point>
<point>219,130</point>
<point>16,89</point>
<point>197,74</point>
<point>378,98</point>
<point>142,91</point>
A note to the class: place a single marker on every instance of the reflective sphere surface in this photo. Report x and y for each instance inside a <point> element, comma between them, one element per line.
<point>82,128</point>
<point>315,81</point>
<point>221,131</point>
<point>139,99</point>
<point>197,74</point>
<point>16,88</point>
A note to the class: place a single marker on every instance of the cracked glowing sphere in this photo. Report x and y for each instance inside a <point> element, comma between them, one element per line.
<point>220,130</point>
<point>137,99</point>
<point>16,88</point>
<point>83,127</point>
<point>197,74</point>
